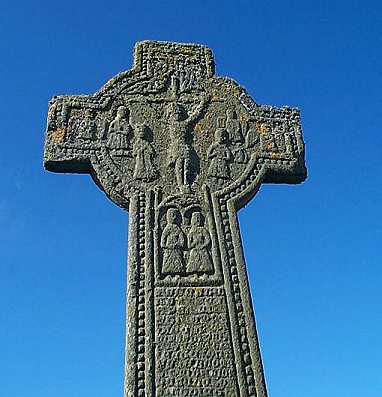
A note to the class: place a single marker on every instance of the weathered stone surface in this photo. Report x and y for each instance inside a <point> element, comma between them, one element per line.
<point>182,150</point>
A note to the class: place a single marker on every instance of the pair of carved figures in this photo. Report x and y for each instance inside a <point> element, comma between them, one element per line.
<point>282,140</point>
<point>185,254</point>
<point>119,143</point>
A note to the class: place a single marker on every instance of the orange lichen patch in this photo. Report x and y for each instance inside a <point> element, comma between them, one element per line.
<point>262,128</point>
<point>48,153</point>
<point>198,127</point>
<point>197,291</point>
<point>53,109</point>
<point>170,60</point>
<point>214,95</point>
<point>235,94</point>
<point>59,135</point>
<point>275,155</point>
<point>131,311</point>
<point>188,50</point>
<point>243,117</point>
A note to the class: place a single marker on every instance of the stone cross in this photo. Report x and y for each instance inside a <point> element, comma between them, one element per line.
<point>182,150</point>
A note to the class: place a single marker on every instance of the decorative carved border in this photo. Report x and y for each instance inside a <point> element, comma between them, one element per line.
<point>227,201</point>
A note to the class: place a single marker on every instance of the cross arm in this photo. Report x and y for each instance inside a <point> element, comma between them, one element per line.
<point>282,146</point>
<point>70,137</point>
<point>276,135</point>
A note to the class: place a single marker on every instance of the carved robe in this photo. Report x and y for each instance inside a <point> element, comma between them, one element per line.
<point>120,132</point>
<point>220,155</point>
<point>234,129</point>
<point>144,160</point>
<point>179,149</point>
<point>199,242</point>
<point>173,243</point>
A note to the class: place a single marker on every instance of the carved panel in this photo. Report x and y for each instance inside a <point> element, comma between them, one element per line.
<point>194,356</point>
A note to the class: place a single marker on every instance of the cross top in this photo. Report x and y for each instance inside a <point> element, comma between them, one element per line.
<point>182,150</point>
<point>171,123</point>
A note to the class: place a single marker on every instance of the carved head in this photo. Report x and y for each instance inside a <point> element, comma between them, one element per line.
<point>141,131</point>
<point>221,135</point>
<point>172,215</point>
<point>122,112</point>
<point>196,219</point>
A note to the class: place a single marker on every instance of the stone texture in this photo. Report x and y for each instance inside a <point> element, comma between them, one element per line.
<point>182,150</point>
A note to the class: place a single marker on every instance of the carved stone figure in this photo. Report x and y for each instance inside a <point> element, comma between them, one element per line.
<point>120,131</point>
<point>279,136</point>
<point>272,143</point>
<point>220,156</point>
<point>289,144</point>
<point>240,155</point>
<point>144,155</point>
<point>199,245</point>
<point>101,128</point>
<point>180,150</point>
<point>233,127</point>
<point>182,175</point>
<point>173,242</point>
<point>86,127</point>
<point>252,137</point>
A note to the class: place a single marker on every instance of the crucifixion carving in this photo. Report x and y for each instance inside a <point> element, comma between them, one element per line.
<point>182,150</point>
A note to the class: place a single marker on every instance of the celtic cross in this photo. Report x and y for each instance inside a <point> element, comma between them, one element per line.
<point>182,150</point>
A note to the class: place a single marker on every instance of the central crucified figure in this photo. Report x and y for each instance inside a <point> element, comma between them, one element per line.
<point>180,152</point>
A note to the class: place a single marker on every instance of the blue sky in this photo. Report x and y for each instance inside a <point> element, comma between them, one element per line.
<point>313,251</point>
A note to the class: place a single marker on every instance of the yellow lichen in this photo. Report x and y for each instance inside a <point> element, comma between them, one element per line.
<point>59,135</point>
<point>262,127</point>
<point>51,110</point>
